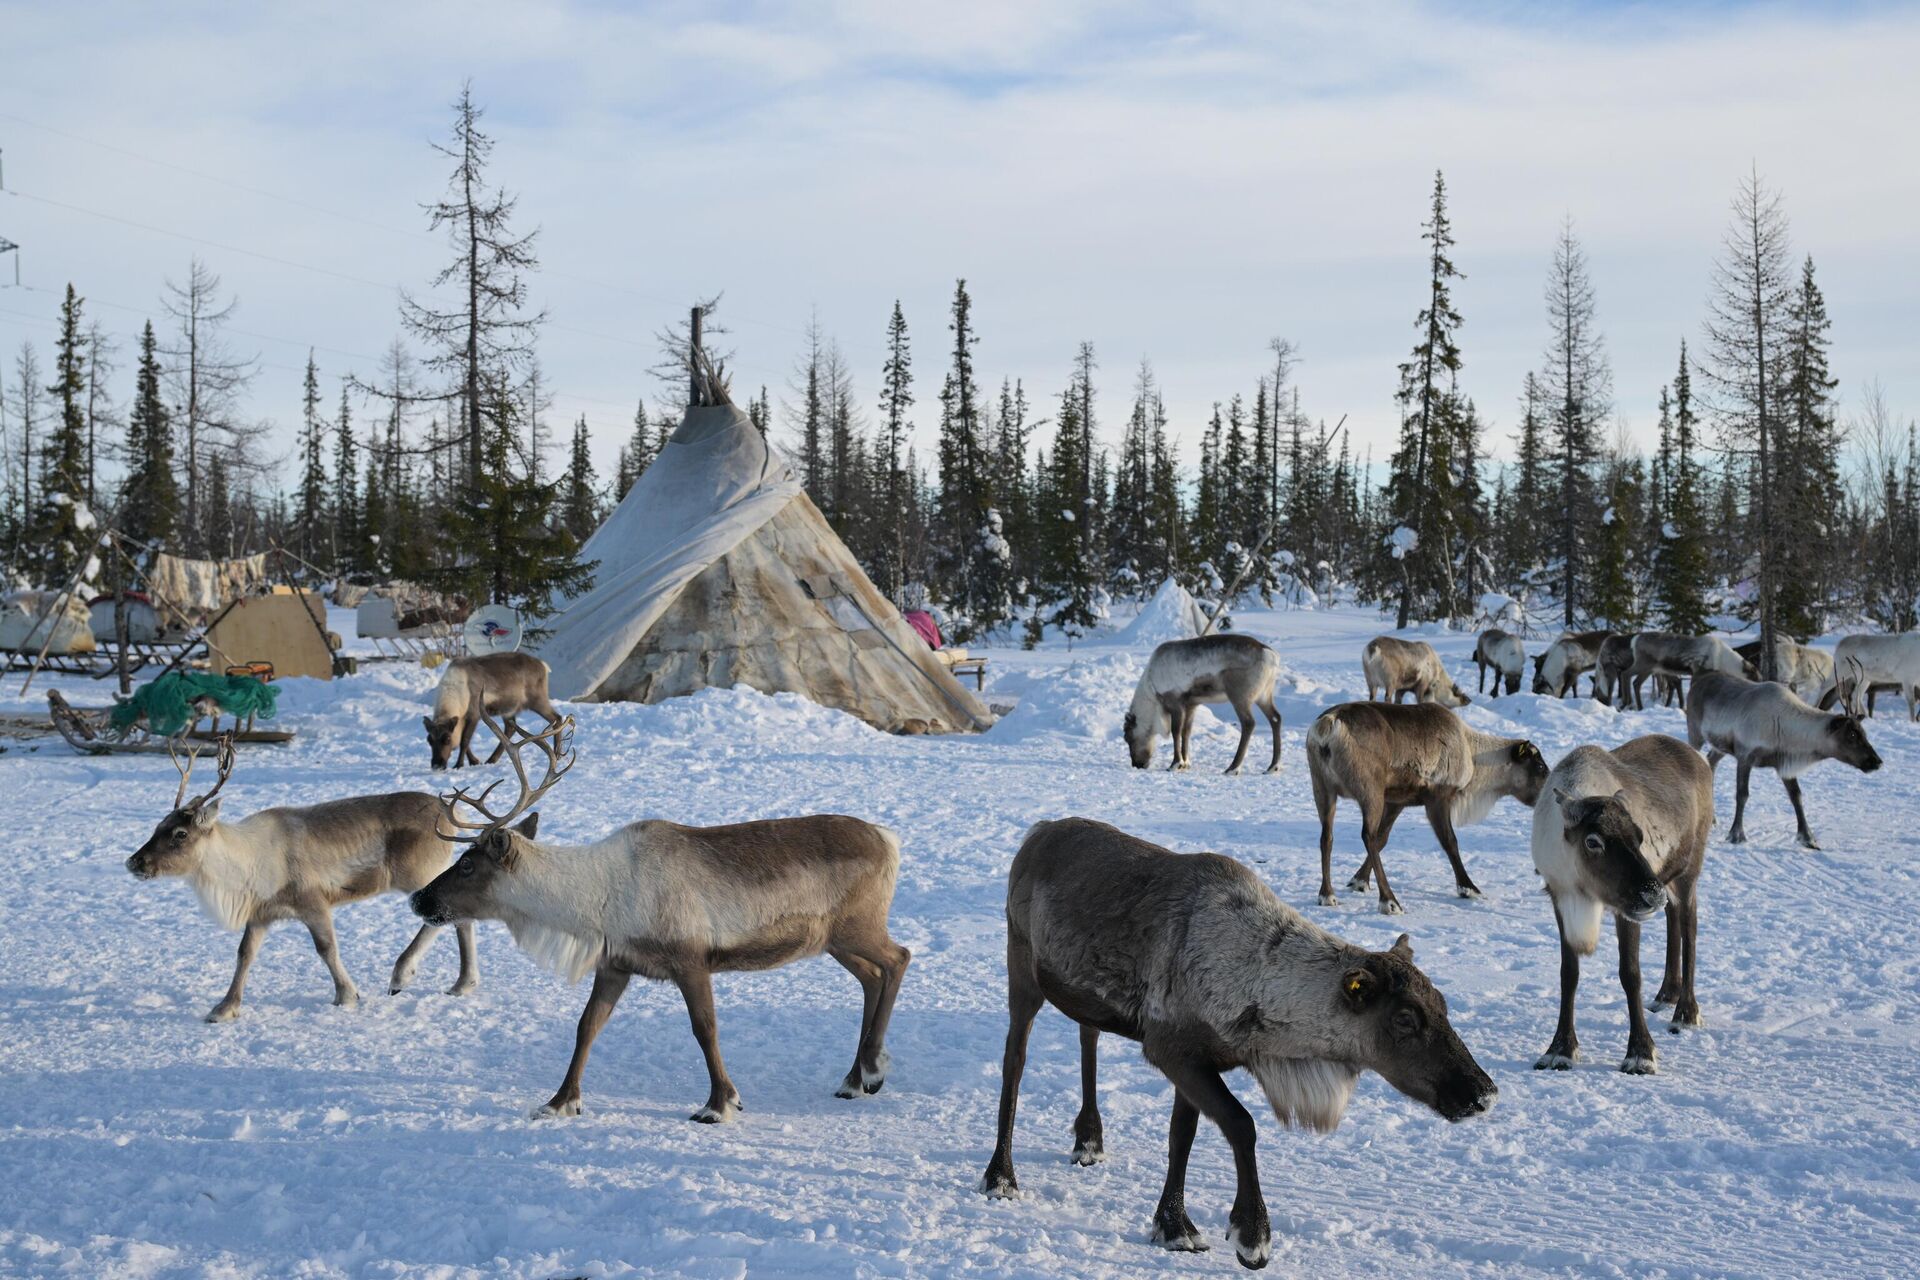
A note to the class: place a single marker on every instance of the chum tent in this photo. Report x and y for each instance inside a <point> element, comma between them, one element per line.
<point>716,569</point>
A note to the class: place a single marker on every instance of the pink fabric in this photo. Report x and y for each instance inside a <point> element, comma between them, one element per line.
<point>922,621</point>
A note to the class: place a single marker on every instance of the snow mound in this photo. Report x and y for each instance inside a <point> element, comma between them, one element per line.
<point>1086,700</point>
<point>1172,614</point>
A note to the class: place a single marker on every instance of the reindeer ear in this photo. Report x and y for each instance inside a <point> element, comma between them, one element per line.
<point>529,824</point>
<point>427,721</point>
<point>1621,796</point>
<point>206,814</point>
<point>1402,947</point>
<point>1561,798</point>
<point>1358,989</point>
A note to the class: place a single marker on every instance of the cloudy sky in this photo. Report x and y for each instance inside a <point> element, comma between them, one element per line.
<point>1179,181</point>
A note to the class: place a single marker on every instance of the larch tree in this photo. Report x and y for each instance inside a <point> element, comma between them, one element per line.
<point>207,381</point>
<point>1748,330</point>
<point>1576,385</point>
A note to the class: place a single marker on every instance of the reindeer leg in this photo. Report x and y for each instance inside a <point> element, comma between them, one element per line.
<point>1374,837</point>
<point>1686,1009</point>
<point>1181,714</point>
<point>1243,711</point>
<point>608,986</point>
<point>1273,722</point>
<point>1669,975</point>
<point>1324,803</point>
<point>871,982</point>
<point>1738,833</point>
<point>229,1007</point>
<point>886,962</point>
<point>468,724</point>
<point>1172,1228</point>
<point>1800,813</point>
<point>1640,1052</point>
<point>723,1100</point>
<point>1440,818</point>
<point>500,747</point>
<point>409,962</point>
<point>1565,1049</point>
<point>469,978</point>
<point>1023,1003</point>
<point>1200,1084</point>
<point>1089,1139</point>
<point>320,925</point>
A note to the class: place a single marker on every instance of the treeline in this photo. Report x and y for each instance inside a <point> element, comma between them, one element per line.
<point>1035,509</point>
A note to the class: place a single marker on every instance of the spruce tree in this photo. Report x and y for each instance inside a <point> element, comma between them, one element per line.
<point>896,398</point>
<point>1680,573</point>
<point>1418,488</point>
<point>63,526</point>
<point>580,493</point>
<point>1577,385</point>
<point>347,515</point>
<point>1811,501</point>
<point>310,512</point>
<point>149,497</point>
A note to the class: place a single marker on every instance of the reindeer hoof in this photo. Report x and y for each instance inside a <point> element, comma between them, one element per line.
<point>348,999</point>
<point>225,1011</point>
<point>1392,907</point>
<point>556,1110</point>
<point>1468,891</point>
<point>1179,1237</point>
<point>1635,1064</point>
<point>723,1114</point>
<point>466,988</point>
<point>1252,1253</point>
<point>1089,1152</point>
<point>1686,1018</point>
<point>1328,900</point>
<point>1357,885</point>
<point>1000,1184</point>
<point>1233,772</point>
<point>1808,842</point>
<point>1552,1060</point>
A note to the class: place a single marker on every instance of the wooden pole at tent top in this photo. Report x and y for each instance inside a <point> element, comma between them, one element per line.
<point>693,355</point>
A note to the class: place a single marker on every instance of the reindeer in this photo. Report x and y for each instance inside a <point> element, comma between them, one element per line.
<point>1557,671</point>
<point>502,683</point>
<point>1385,758</point>
<point>1395,667</point>
<point>679,904</point>
<point>1503,654</point>
<point>1769,727</point>
<point>1802,668</point>
<point>1866,664</point>
<point>1663,654</point>
<point>1197,960</point>
<point>1625,831</point>
<point>1183,674</point>
<point>1613,682</point>
<point>299,864</point>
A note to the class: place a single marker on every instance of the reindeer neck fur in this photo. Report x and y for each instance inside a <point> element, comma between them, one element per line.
<point>1269,978</point>
<point>557,901</point>
<point>241,867</point>
<point>1489,754</point>
<point>453,695</point>
<point>1149,712</point>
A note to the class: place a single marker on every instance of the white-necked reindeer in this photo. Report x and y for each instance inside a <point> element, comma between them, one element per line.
<point>504,684</point>
<point>680,904</point>
<point>299,864</point>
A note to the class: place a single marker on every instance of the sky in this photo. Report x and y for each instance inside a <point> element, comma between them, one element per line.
<point>1179,182</point>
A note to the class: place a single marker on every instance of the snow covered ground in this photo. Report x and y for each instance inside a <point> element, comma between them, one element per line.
<point>393,1139</point>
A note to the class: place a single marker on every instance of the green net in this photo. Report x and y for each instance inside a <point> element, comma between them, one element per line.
<point>167,703</point>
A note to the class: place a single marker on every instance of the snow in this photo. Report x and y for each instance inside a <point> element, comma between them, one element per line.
<point>1402,542</point>
<point>393,1139</point>
<point>1171,614</point>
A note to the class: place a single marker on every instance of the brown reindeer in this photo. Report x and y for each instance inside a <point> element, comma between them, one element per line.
<point>503,684</point>
<point>299,864</point>
<point>679,904</point>
<point>1386,757</point>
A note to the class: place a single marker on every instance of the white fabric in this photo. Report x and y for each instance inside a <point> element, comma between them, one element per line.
<point>714,484</point>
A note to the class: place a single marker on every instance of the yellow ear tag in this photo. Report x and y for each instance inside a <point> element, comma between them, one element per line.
<point>1354,985</point>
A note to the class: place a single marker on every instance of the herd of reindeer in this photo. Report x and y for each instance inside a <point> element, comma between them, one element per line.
<point>1192,956</point>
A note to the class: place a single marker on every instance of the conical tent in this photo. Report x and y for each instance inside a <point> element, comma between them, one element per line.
<point>716,569</point>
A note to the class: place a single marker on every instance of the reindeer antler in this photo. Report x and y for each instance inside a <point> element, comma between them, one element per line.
<point>555,742</point>
<point>223,758</point>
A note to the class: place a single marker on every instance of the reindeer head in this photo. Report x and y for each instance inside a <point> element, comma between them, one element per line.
<point>466,890</point>
<point>1540,684</point>
<point>1146,721</point>
<point>442,739</point>
<point>1526,773</point>
<point>1403,1033</point>
<point>1610,854</point>
<point>1449,694</point>
<point>175,846</point>
<point>1847,743</point>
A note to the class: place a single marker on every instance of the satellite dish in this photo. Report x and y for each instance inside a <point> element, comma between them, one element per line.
<point>492,628</point>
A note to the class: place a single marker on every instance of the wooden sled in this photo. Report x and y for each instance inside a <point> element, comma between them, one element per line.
<point>90,731</point>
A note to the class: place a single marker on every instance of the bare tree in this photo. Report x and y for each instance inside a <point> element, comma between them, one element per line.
<point>486,332</point>
<point>1577,386</point>
<point>1746,330</point>
<point>206,380</point>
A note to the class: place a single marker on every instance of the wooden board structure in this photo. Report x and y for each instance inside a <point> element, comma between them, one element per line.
<point>284,629</point>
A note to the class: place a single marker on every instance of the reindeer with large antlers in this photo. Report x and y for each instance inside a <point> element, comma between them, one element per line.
<point>679,904</point>
<point>299,864</point>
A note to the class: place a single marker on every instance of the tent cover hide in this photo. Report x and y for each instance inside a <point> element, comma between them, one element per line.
<point>716,569</point>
